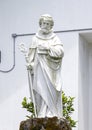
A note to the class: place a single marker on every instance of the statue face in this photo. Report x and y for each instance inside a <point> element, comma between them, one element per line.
<point>46,26</point>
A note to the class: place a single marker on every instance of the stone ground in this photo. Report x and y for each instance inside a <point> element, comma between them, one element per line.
<point>45,124</point>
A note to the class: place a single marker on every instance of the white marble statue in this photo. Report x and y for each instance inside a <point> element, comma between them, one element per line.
<point>44,60</point>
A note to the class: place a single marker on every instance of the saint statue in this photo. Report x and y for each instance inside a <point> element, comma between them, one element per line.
<point>44,61</point>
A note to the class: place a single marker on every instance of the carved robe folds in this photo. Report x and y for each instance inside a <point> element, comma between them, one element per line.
<point>45,58</point>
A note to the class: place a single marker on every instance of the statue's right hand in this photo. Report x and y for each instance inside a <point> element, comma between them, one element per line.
<point>29,67</point>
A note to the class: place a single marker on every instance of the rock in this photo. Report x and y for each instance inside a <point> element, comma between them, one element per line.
<point>52,123</point>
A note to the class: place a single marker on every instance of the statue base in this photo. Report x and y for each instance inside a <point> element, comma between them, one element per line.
<point>47,123</point>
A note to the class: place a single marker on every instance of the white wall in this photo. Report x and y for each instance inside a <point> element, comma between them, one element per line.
<point>70,69</point>
<point>21,16</point>
<point>85,83</point>
<point>90,86</point>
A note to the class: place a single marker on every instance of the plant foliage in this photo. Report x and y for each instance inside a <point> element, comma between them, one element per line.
<point>67,103</point>
<point>29,106</point>
<point>68,108</point>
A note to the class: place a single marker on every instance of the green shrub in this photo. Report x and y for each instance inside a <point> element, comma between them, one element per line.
<point>68,108</point>
<point>67,103</point>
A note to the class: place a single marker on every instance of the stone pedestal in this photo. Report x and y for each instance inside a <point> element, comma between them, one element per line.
<point>45,124</point>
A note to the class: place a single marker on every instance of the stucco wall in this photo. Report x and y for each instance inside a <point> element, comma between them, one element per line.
<point>21,16</point>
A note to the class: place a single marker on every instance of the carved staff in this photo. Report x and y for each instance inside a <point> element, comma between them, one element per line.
<point>31,91</point>
<point>23,49</point>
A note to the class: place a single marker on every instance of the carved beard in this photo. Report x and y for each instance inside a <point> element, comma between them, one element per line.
<point>45,31</point>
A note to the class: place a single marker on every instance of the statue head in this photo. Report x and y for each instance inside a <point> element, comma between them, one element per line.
<point>46,22</point>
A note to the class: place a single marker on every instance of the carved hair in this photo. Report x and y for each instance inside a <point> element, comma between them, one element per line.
<point>46,17</point>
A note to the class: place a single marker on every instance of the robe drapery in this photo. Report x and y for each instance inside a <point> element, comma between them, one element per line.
<point>47,81</point>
